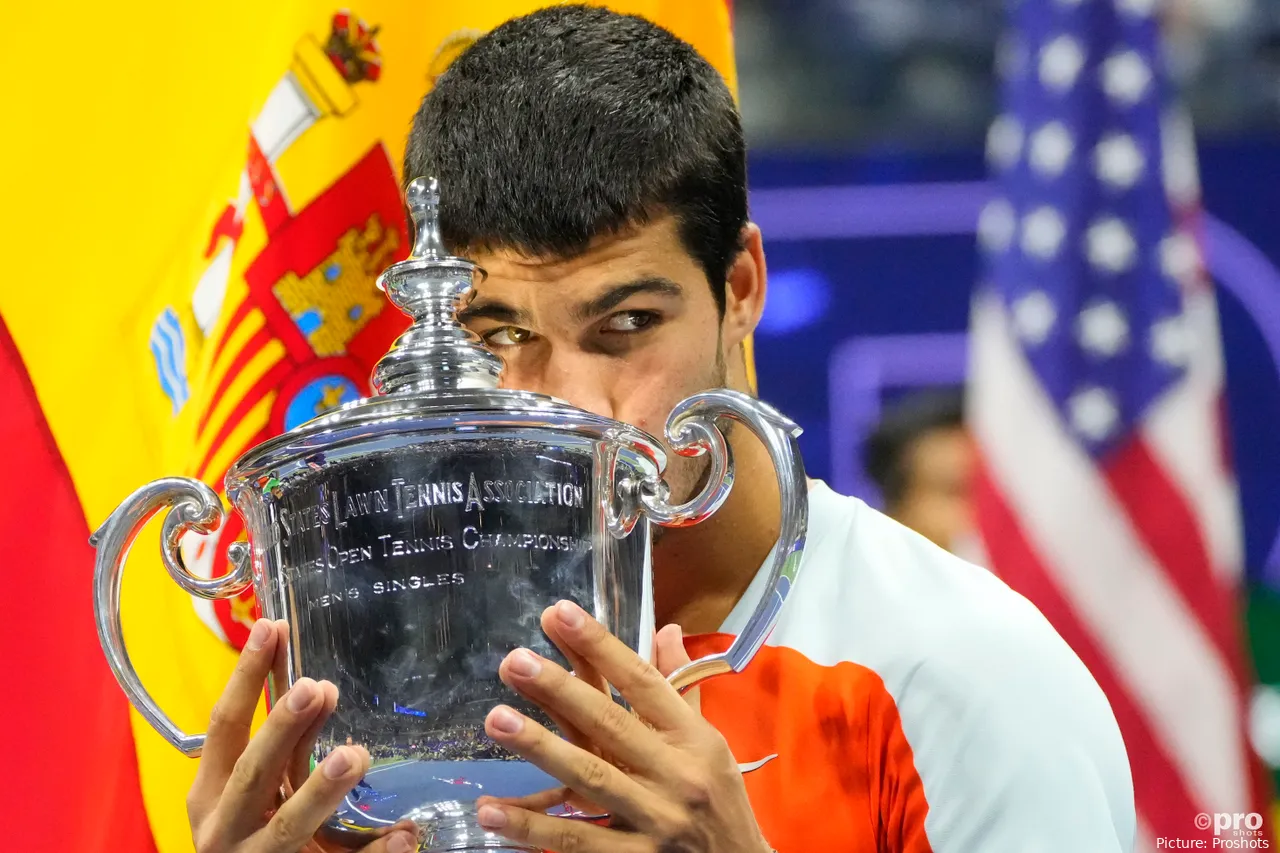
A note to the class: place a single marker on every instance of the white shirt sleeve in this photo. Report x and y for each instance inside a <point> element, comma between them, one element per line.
<point>1015,744</point>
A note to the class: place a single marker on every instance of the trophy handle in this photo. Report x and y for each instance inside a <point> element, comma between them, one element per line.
<point>193,506</point>
<point>692,430</point>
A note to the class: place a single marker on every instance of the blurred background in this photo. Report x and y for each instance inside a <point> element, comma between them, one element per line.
<point>974,211</point>
<point>860,77</point>
<point>858,106</point>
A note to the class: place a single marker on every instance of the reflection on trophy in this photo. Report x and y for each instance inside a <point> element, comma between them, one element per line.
<point>413,539</point>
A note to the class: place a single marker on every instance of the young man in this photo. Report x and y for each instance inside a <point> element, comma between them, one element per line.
<point>593,164</point>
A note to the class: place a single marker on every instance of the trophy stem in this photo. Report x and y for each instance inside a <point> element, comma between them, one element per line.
<point>437,353</point>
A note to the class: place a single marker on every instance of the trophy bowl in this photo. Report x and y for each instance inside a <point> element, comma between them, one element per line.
<point>413,539</point>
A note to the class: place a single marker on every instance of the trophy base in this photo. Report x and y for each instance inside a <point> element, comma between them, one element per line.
<point>438,796</point>
<point>457,830</point>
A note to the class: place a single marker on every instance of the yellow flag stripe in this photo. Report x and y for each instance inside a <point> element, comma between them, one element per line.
<point>239,336</point>
<point>268,357</point>
<point>237,442</point>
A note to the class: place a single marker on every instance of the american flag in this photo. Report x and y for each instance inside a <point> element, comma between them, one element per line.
<point>1105,494</point>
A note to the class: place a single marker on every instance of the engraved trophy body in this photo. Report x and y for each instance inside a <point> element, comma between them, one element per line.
<point>413,539</point>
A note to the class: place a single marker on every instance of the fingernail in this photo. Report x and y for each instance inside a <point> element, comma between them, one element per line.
<point>258,636</point>
<point>491,817</point>
<point>570,614</point>
<point>301,695</point>
<point>506,720</point>
<point>400,842</point>
<point>337,764</point>
<point>674,630</point>
<point>524,663</point>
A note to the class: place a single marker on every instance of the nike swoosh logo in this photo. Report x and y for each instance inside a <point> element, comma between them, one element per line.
<point>756,765</point>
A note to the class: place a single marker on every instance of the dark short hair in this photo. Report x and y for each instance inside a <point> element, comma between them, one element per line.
<point>575,122</point>
<point>904,422</point>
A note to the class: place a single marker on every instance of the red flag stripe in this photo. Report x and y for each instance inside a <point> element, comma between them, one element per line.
<point>218,479</point>
<point>1163,799</point>
<point>1163,519</point>
<point>230,225</point>
<point>251,348</point>
<point>1164,522</point>
<point>69,744</point>
<point>237,317</point>
<point>260,389</point>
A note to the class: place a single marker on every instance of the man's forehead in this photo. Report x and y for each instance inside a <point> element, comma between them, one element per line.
<point>639,249</point>
<point>517,304</point>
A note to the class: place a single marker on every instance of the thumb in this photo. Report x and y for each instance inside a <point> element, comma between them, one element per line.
<point>669,655</point>
<point>403,838</point>
<point>668,650</point>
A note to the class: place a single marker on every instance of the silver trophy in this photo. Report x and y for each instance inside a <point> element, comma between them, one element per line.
<point>413,539</point>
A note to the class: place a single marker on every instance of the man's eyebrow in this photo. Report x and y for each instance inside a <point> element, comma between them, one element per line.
<point>492,310</point>
<point>619,293</point>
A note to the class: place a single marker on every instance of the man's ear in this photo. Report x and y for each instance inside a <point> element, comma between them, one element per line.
<point>744,292</point>
<point>744,289</point>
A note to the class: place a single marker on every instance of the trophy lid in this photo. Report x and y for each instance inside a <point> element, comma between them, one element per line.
<point>437,371</point>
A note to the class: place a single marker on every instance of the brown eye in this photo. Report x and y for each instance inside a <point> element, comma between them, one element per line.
<point>629,321</point>
<point>507,336</point>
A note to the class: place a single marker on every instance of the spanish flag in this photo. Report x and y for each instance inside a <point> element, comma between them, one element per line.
<point>197,199</point>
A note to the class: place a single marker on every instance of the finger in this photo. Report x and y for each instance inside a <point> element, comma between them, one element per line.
<point>540,801</point>
<point>302,814</point>
<point>548,799</point>
<point>668,650</point>
<point>401,838</point>
<point>397,842</point>
<point>544,832</point>
<point>669,655</point>
<point>280,663</point>
<point>638,682</point>
<point>624,736</point>
<point>279,685</point>
<point>582,670</point>
<point>254,784</point>
<point>232,716</point>
<point>587,774</point>
<point>300,766</point>
<point>570,732</point>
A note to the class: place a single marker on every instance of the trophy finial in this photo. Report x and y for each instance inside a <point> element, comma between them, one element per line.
<point>423,200</point>
<point>437,353</point>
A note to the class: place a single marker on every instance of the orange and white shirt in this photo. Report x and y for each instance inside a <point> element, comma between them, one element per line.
<point>910,702</point>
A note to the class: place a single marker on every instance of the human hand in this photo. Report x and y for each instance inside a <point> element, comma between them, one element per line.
<point>664,774</point>
<point>234,804</point>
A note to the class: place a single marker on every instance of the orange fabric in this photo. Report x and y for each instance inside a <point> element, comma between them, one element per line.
<point>845,778</point>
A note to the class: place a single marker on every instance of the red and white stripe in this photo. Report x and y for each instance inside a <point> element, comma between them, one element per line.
<point>1136,560</point>
<point>1191,416</point>
<point>1133,561</point>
